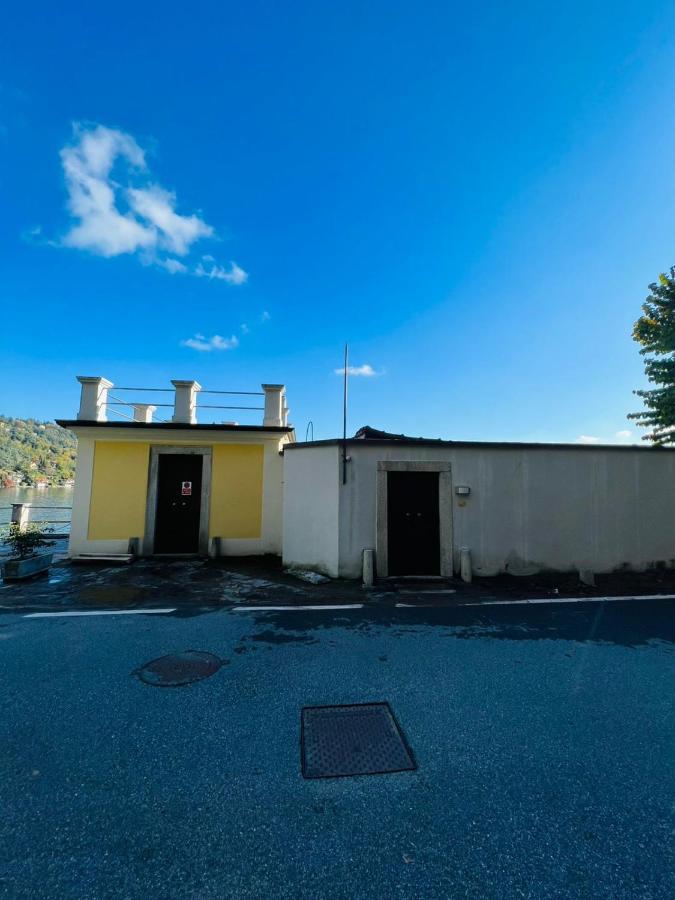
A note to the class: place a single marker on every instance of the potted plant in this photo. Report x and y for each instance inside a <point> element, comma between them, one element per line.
<point>25,561</point>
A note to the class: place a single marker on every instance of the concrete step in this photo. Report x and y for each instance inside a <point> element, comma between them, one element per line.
<point>120,559</point>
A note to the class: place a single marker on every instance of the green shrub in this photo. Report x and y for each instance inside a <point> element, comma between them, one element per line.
<point>25,543</point>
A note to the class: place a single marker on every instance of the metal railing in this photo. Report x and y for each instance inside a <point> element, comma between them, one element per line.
<point>21,516</point>
<point>115,401</point>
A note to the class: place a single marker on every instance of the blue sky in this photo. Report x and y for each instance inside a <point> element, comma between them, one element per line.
<point>475,197</point>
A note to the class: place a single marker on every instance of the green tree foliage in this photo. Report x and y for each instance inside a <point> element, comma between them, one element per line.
<point>32,451</point>
<point>655,332</point>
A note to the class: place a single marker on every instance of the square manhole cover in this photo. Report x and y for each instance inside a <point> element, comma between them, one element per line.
<point>361,739</point>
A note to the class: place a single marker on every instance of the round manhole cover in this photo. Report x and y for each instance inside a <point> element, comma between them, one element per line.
<point>177,669</point>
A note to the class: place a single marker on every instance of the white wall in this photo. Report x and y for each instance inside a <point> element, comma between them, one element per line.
<point>311,508</point>
<point>532,508</point>
<point>79,522</point>
<point>272,497</point>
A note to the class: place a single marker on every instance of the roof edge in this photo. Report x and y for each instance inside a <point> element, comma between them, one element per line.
<point>505,445</point>
<point>174,426</point>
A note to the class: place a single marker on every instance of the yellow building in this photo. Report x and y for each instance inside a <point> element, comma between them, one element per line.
<point>176,487</point>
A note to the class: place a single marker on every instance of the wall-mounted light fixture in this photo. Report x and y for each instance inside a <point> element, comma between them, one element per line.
<point>462,490</point>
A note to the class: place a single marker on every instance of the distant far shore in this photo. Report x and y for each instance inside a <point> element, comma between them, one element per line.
<point>46,483</point>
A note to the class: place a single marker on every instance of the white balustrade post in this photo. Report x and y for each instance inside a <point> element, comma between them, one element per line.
<point>20,515</point>
<point>185,403</point>
<point>93,398</point>
<point>143,412</point>
<point>274,401</point>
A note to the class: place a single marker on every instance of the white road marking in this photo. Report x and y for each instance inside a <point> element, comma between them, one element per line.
<point>572,600</point>
<point>164,611</point>
<point>420,606</point>
<point>293,608</point>
<point>99,612</point>
<point>541,600</point>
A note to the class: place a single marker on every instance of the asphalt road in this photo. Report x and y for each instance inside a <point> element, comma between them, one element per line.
<point>544,737</point>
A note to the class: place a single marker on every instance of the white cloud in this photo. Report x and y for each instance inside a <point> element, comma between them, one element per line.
<point>204,344</point>
<point>365,370</point>
<point>244,328</point>
<point>118,209</point>
<point>265,316</point>
<point>624,434</point>
<point>172,265</point>
<point>174,233</point>
<point>587,439</point>
<point>233,275</point>
<point>92,195</point>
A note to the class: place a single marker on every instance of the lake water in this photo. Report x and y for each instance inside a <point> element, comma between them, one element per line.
<point>45,503</point>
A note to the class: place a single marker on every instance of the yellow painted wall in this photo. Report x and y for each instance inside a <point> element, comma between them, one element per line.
<point>120,481</point>
<point>236,491</point>
<point>118,491</point>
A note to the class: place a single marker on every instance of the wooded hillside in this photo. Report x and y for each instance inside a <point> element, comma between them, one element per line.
<point>33,452</point>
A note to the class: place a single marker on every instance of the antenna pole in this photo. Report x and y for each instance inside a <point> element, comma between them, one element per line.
<point>344,417</point>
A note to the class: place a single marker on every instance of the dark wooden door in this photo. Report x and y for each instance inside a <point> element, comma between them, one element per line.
<point>179,490</point>
<point>413,525</point>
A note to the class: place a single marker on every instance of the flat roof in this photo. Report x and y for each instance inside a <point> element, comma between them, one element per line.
<point>505,445</point>
<point>174,426</point>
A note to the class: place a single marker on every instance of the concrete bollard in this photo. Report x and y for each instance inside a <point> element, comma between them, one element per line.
<point>465,564</point>
<point>587,577</point>
<point>20,515</point>
<point>368,568</point>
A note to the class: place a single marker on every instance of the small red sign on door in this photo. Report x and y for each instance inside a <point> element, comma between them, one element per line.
<point>186,488</point>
